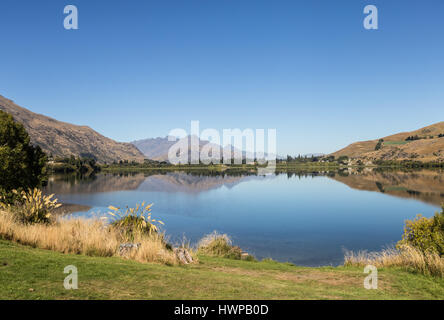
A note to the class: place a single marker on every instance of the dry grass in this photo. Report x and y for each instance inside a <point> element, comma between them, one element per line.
<point>218,245</point>
<point>406,257</point>
<point>81,236</point>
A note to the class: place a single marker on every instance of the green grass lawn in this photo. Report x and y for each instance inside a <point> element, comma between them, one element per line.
<point>395,143</point>
<point>28,273</point>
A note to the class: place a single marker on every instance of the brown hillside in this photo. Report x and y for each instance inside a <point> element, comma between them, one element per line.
<point>427,186</point>
<point>395,147</point>
<point>64,139</point>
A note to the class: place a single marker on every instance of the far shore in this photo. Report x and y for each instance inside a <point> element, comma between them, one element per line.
<point>68,208</point>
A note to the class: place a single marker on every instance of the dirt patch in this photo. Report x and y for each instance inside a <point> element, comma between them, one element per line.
<point>327,278</point>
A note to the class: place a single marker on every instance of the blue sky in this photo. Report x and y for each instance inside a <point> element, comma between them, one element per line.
<point>137,69</point>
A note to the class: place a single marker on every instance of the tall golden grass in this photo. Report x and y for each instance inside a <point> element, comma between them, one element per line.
<point>81,236</point>
<point>406,257</point>
<point>218,245</point>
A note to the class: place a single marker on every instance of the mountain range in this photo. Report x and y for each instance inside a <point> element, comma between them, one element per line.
<point>157,148</point>
<point>62,139</point>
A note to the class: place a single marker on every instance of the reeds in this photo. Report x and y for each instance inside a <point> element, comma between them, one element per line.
<point>81,236</point>
<point>406,257</point>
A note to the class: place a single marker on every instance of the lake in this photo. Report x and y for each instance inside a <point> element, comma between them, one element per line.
<point>307,218</point>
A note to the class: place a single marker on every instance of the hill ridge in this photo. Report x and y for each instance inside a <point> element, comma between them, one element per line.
<point>425,145</point>
<point>63,139</point>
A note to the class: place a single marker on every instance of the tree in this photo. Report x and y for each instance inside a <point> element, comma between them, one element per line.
<point>379,144</point>
<point>22,165</point>
<point>343,160</point>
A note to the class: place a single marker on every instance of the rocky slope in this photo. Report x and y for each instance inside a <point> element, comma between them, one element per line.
<point>63,139</point>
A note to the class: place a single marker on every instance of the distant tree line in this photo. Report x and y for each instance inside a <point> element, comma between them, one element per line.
<point>416,137</point>
<point>82,165</point>
<point>302,159</point>
<point>409,163</point>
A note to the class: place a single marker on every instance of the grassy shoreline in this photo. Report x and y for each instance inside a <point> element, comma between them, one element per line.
<point>33,257</point>
<point>34,253</point>
<point>219,169</point>
<point>279,167</point>
<point>29,273</point>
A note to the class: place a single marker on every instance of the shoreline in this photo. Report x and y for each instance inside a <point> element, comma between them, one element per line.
<point>68,208</point>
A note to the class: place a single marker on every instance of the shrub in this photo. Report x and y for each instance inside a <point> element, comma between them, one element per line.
<point>134,221</point>
<point>32,206</point>
<point>425,234</point>
<point>22,165</point>
<point>219,245</point>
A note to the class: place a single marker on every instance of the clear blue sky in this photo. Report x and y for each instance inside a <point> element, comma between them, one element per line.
<point>137,69</point>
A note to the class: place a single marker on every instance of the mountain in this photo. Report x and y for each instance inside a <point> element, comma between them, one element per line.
<point>157,148</point>
<point>63,139</point>
<point>170,182</point>
<point>173,182</point>
<point>424,145</point>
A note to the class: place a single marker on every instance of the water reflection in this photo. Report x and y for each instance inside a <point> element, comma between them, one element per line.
<point>423,185</point>
<point>307,218</point>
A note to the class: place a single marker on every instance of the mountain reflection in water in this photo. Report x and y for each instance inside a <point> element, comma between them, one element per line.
<point>307,218</point>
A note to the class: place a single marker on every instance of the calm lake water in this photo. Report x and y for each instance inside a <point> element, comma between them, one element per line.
<point>308,219</point>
